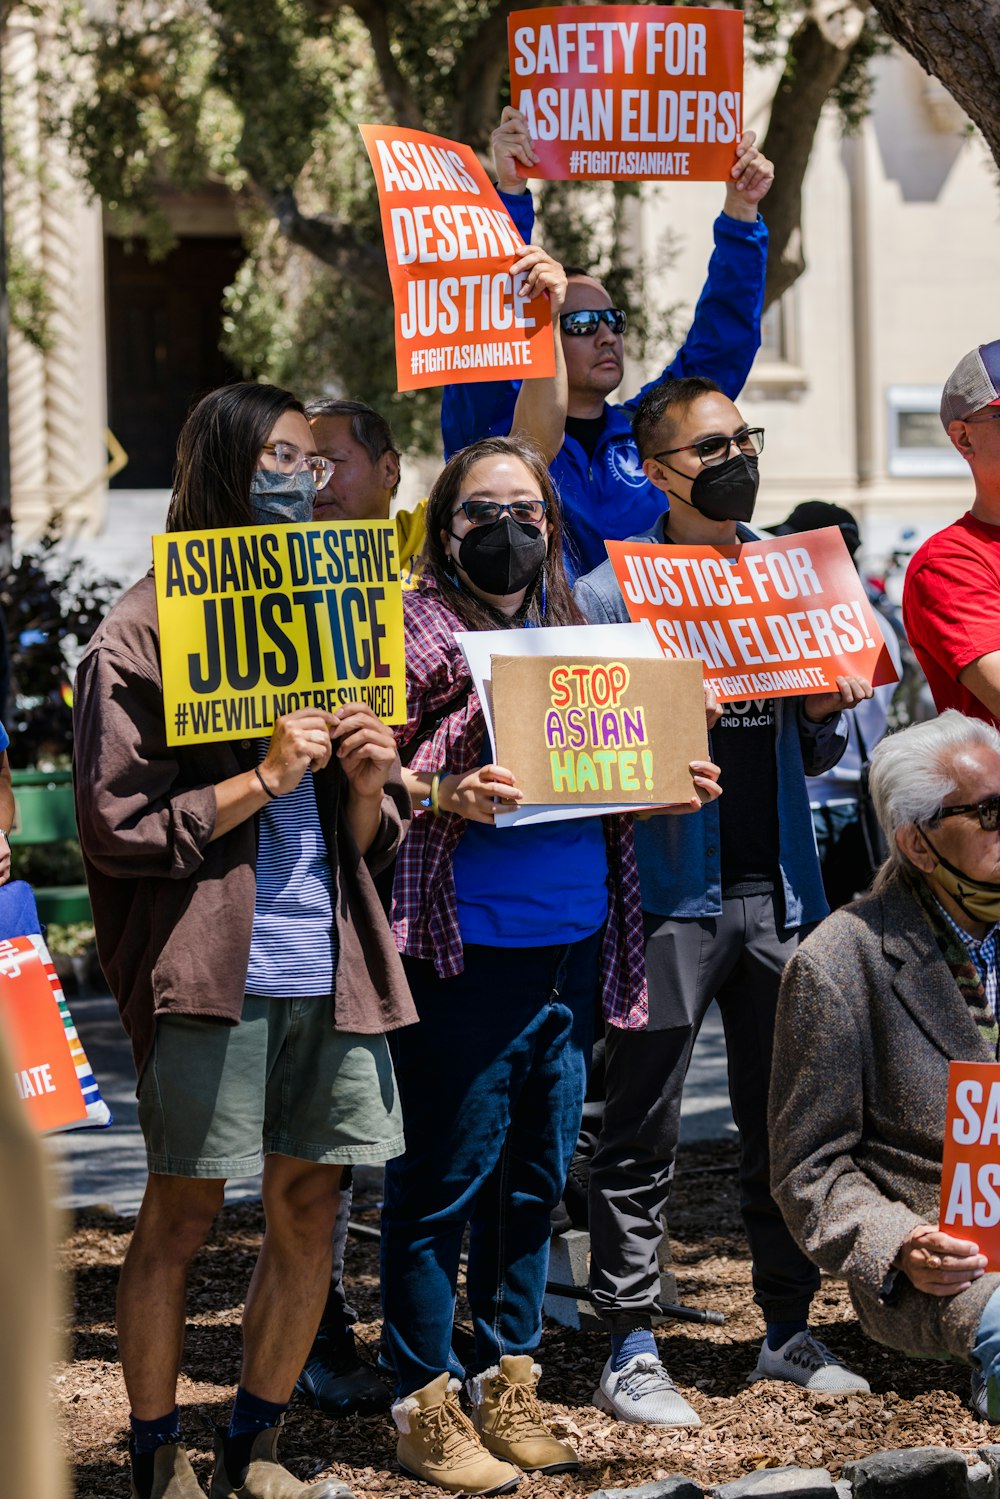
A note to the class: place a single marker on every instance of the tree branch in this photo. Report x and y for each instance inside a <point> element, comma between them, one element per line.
<point>818,54</point>
<point>402,100</point>
<point>958,41</point>
<point>481,66</point>
<point>335,243</point>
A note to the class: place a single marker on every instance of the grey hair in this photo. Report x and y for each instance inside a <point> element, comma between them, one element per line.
<point>368,427</point>
<point>913,771</point>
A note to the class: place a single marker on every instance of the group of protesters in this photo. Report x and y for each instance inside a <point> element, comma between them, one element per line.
<point>327,954</point>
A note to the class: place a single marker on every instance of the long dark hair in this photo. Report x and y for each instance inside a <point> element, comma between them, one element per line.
<point>217,454</point>
<point>549,600</point>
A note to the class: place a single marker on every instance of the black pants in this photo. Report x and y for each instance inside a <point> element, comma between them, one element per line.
<point>737,959</point>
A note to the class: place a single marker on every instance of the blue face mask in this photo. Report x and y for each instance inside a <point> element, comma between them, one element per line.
<point>282,499</point>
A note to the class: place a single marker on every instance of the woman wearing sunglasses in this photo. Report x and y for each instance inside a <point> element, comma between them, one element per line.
<point>238,925</point>
<point>508,935</point>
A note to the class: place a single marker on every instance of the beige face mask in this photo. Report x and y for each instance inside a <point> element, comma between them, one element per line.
<point>979,899</point>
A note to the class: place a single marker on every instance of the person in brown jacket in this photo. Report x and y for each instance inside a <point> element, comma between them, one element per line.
<point>873,1007</point>
<point>240,930</point>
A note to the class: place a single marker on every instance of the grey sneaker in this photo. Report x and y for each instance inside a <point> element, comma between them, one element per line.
<point>643,1392</point>
<point>805,1361</point>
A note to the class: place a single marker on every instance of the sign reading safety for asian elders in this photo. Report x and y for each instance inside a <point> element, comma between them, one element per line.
<point>256,622</point>
<point>599,732</point>
<point>629,92</point>
<point>970,1171</point>
<point>460,313</point>
<point>768,618</point>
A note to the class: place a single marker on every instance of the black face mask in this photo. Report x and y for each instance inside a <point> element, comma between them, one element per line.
<point>503,557</point>
<point>729,490</point>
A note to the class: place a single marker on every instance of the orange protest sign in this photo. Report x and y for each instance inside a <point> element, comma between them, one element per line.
<point>769,618</point>
<point>626,92</point>
<point>970,1169</point>
<point>45,1072</point>
<point>460,313</point>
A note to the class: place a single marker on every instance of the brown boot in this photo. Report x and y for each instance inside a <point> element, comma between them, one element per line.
<point>173,1475</point>
<point>508,1417</point>
<point>265,1478</point>
<point>438,1443</point>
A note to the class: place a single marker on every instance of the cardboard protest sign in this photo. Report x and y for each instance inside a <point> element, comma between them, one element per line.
<point>970,1170</point>
<point>629,92</point>
<point>450,243</point>
<point>45,1071</point>
<point>768,618</point>
<point>258,621</point>
<point>599,732</point>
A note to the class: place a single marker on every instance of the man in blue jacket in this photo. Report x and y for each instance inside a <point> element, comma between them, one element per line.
<point>596,464</point>
<point>726,897</point>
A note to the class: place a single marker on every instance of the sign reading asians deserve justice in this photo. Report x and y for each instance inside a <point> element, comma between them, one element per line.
<point>258,621</point>
<point>460,313</point>
<point>626,92</point>
<point>768,618</point>
<point>970,1170</point>
<point>599,732</point>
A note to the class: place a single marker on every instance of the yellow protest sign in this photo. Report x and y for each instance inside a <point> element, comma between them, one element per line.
<point>258,621</point>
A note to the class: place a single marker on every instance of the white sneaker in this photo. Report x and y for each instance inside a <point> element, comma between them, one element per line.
<point>805,1361</point>
<point>643,1391</point>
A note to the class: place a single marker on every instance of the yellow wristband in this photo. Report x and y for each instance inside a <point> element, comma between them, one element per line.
<point>435,787</point>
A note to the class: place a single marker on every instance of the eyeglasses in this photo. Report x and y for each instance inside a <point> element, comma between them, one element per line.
<point>715,449</point>
<point>485,512</point>
<point>589,319</point>
<point>288,459</point>
<point>988,812</point>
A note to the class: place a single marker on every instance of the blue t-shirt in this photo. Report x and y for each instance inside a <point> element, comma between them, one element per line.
<point>292,948</point>
<point>533,886</point>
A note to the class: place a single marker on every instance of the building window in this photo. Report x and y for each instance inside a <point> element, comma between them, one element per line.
<point>918,446</point>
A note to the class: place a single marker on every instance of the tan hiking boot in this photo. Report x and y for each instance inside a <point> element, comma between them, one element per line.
<point>173,1475</point>
<point>438,1443</point>
<point>508,1417</point>
<point>265,1478</point>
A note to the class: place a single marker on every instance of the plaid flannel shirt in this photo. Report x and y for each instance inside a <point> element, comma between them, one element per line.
<point>425,907</point>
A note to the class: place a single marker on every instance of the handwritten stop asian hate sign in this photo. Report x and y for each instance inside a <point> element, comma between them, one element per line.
<point>768,618</point>
<point>461,315</point>
<point>629,92</point>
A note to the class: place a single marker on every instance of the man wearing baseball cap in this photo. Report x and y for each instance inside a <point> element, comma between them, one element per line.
<point>951,598</point>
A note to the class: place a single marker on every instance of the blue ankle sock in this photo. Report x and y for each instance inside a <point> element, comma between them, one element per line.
<point>148,1435</point>
<point>250,1413</point>
<point>625,1345</point>
<point>778,1333</point>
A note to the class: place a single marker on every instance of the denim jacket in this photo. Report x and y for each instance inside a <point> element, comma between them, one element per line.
<point>679,859</point>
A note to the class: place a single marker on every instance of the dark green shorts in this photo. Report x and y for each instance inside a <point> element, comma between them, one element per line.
<point>215,1099</point>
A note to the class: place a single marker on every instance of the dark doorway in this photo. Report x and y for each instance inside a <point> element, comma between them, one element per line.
<point>164,324</point>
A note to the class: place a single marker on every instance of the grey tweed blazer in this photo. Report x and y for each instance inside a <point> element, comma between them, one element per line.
<point>869,1017</point>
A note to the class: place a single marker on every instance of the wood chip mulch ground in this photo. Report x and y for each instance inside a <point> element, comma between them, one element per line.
<point>914,1402</point>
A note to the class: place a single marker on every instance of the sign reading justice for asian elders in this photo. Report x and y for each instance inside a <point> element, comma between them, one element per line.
<point>599,732</point>
<point>450,243</point>
<point>970,1170</point>
<point>256,622</point>
<point>768,618</point>
<point>629,92</point>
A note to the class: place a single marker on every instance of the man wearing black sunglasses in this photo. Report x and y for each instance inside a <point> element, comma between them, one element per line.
<point>873,1008</point>
<point>726,896</point>
<point>951,598</point>
<point>595,463</point>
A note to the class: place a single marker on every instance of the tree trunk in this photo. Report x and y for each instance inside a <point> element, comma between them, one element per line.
<point>818,53</point>
<point>958,41</point>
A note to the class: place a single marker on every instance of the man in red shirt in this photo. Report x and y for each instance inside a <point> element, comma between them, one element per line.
<point>951,598</point>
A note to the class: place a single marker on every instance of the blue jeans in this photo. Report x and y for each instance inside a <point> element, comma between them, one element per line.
<point>986,1351</point>
<point>492,1083</point>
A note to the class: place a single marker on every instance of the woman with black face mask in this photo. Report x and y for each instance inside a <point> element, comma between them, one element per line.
<point>508,935</point>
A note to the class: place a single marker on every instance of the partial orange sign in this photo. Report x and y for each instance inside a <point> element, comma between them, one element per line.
<point>45,1072</point>
<point>629,92</point>
<point>970,1170</point>
<point>772,618</point>
<point>461,315</point>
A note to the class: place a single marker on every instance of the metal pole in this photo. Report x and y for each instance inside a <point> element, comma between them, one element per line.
<point>5,511</point>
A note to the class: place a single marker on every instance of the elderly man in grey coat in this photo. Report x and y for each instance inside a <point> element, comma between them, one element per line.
<point>873,1007</point>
